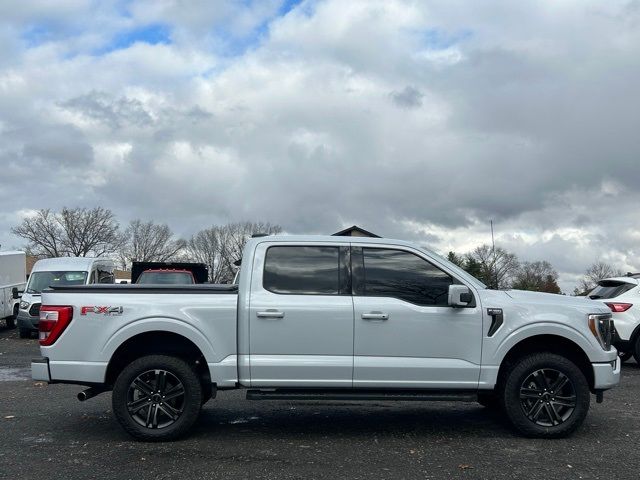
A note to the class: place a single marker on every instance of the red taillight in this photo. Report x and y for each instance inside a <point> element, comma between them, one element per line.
<point>53,321</point>
<point>619,307</point>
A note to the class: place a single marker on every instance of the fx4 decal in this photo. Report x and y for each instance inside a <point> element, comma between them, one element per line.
<point>108,311</point>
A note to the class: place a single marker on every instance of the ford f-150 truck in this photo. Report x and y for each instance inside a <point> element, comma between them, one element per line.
<point>330,318</point>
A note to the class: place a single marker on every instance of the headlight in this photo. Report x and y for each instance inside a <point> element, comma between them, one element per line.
<point>24,305</point>
<point>601,325</point>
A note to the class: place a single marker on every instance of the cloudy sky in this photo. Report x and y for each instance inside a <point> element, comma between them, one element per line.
<point>421,120</point>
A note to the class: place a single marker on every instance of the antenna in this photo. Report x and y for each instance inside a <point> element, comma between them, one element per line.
<point>493,250</point>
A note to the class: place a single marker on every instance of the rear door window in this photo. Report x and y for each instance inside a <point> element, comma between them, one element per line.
<point>302,270</point>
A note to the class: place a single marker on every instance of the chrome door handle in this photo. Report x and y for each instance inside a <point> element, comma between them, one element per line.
<point>375,316</point>
<point>270,314</point>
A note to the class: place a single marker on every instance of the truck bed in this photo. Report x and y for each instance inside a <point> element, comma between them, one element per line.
<point>105,316</point>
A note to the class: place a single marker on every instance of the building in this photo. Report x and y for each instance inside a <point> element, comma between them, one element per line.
<point>355,231</point>
<point>122,276</point>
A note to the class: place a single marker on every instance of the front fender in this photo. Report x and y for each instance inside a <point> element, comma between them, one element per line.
<point>589,346</point>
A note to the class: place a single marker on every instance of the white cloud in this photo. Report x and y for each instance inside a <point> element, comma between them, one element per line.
<point>421,120</point>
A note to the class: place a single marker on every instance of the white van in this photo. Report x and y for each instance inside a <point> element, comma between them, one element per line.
<point>59,271</point>
<point>12,276</point>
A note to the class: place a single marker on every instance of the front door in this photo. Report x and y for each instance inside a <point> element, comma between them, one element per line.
<point>301,316</point>
<point>406,336</point>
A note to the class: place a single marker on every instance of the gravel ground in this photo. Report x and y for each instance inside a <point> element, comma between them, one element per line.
<point>47,434</point>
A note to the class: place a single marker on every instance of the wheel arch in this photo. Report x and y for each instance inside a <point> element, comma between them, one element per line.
<point>552,343</point>
<point>153,342</point>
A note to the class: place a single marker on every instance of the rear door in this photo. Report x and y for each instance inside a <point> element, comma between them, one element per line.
<point>301,316</point>
<point>406,336</point>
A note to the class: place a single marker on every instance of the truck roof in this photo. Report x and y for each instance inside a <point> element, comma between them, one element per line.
<point>331,239</point>
<point>68,263</point>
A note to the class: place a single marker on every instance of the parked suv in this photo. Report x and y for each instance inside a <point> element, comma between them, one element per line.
<point>622,296</point>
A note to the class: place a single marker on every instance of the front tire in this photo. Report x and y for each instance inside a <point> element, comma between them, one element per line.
<point>25,333</point>
<point>545,395</point>
<point>157,398</point>
<point>11,322</point>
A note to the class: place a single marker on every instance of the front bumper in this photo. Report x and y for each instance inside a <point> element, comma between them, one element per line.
<point>606,375</point>
<point>40,369</point>
<point>26,321</point>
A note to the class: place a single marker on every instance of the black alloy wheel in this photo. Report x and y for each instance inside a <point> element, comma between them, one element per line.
<point>547,397</point>
<point>155,399</point>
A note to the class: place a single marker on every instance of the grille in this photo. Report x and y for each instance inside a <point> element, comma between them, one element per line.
<point>34,311</point>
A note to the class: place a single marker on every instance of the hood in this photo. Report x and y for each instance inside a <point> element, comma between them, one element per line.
<point>548,300</point>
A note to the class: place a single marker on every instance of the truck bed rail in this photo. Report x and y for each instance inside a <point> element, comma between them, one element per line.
<point>207,289</point>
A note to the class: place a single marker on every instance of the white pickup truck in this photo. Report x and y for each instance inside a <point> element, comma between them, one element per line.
<point>330,318</point>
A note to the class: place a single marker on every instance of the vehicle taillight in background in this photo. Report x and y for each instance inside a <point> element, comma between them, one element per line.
<point>619,307</point>
<point>53,321</point>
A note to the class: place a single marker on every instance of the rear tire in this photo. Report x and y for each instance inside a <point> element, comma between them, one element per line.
<point>25,333</point>
<point>636,350</point>
<point>545,395</point>
<point>157,398</point>
<point>624,356</point>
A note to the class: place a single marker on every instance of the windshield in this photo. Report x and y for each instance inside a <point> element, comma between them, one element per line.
<point>38,281</point>
<point>166,278</point>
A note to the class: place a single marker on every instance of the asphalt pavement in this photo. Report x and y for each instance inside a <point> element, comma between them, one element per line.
<point>45,433</point>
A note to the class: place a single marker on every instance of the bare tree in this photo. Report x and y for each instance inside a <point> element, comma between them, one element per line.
<point>204,247</point>
<point>76,232</point>
<point>536,276</point>
<point>496,268</point>
<point>148,242</point>
<point>234,236</point>
<point>44,234</point>
<point>219,247</point>
<point>594,274</point>
<point>89,231</point>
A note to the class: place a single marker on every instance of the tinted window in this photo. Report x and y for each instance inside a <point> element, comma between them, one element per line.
<point>610,289</point>
<point>165,278</point>
<point>105,276</point>
<point>403,275</point>
<point>302,270</point>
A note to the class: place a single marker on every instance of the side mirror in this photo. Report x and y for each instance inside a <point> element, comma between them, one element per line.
<point>15,293</point>
<point>459,296</point>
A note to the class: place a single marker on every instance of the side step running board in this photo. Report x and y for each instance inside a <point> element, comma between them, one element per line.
<point>348,394</point>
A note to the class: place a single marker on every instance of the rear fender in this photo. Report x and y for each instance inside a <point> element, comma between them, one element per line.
<point>160,324</point>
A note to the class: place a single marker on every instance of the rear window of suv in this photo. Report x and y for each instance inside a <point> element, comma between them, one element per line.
<point>610,289</point>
